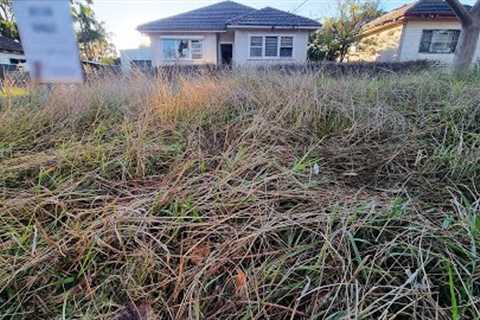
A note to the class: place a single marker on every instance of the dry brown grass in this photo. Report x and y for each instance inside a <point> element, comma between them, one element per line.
<point>254,196</point>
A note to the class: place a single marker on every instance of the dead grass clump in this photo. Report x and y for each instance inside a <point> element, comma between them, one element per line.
<point>254,195</point>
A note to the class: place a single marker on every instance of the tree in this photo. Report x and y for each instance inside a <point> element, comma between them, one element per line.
<point>8,28</point>
<point>338,34</point>
<point>93,39</point>
<point>467,46</point>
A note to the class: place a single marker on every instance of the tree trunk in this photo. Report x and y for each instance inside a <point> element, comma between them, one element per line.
<point>466,49</point>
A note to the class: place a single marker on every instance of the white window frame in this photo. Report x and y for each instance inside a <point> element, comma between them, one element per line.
<point>189,39</point>
<point>263,35</point>
<point>433,34</point>
<point>250,46</point>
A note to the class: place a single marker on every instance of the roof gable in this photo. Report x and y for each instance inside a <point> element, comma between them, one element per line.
<point>218,16</point>
<point>213,17</point>
<point>432,7</point>
<point>273,17</point>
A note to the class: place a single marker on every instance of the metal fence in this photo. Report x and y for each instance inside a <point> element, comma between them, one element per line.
<point>11,75</point>
<point>15,76</point>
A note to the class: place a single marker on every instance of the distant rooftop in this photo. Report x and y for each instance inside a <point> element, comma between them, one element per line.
<point>421,8</point>
<point>218,16</point>
<point>7,44</point>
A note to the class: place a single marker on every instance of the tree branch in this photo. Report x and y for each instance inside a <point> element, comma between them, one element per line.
<point>462,13</point>
<point>476,10</point>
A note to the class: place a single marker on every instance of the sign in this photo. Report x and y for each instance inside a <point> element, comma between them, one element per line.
<point>48,40</point>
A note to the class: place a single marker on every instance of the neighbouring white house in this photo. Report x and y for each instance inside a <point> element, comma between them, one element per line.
<point>423,30</point>
<point>139,58</point>
<point>11,52</point>
<point>230,33</point>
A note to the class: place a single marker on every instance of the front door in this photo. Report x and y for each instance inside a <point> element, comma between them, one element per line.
<point>226,53</point>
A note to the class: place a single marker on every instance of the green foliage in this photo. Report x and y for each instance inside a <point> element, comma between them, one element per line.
<point>93,39</point>
<point>338,34</point>
<point>8,28</point>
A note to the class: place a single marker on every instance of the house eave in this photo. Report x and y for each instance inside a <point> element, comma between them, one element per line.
<point>406,18</point>
<point>382,27</point>
<point>20,53</point>
<point>273,27</point>
<point>148,31</point>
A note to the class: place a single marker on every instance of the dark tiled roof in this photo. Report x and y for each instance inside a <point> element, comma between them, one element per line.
<point>417,9</point>
<point>218,16</point>
<point>7,44</point>
<point>432,7</point>
<point>213,17</point>
<point>273,17</point>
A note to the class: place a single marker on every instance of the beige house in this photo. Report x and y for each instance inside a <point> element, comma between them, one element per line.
<point>423,30</point>
<point>230,33</point>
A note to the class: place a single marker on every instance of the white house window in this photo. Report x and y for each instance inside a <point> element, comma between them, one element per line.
<point>169,48</point>
<point>439,41</point>
<point>256,46</point>
<point>286,47</point>
<point>271,46</point>
<point>197,50</point>
<point>182,49</point>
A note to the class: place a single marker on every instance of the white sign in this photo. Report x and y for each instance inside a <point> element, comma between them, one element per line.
<point>48,40</point>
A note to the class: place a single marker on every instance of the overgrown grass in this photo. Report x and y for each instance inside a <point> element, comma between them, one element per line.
<point>254,196</point>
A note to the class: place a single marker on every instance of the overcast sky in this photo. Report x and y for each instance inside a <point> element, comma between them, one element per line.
<point>123,16</point>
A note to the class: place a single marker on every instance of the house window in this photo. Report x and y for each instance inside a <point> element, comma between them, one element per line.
<point>439,41</point>
<point>197,50</point>
<point>182,49</point>
<point>271,46</point>
<point>256,46</point>
<point>286,47</point>
<point>17,61</point>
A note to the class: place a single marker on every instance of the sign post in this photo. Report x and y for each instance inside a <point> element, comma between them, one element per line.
<point>48,40</point>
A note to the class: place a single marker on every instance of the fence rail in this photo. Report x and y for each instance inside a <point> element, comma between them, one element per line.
<point>11,75</point>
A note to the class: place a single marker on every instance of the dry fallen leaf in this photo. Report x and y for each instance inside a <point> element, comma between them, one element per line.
<point>199,254</point>
<point>240,282</point>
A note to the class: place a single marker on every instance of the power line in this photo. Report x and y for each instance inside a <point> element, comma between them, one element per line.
<point>300,5</point>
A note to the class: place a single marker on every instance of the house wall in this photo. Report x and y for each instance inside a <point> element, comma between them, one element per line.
<point>241,47</point>
<point>209,48</point>
<point>6,56</point>
<point>226,36</point>
<point>129,55</point>
<point>413,35</point>
<point>381,46</point>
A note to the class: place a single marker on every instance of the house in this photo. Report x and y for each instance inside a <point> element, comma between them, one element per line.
<point>140,58</point>
<point>11,52</point>
<point>230,33</point>
<point>423,30</point>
